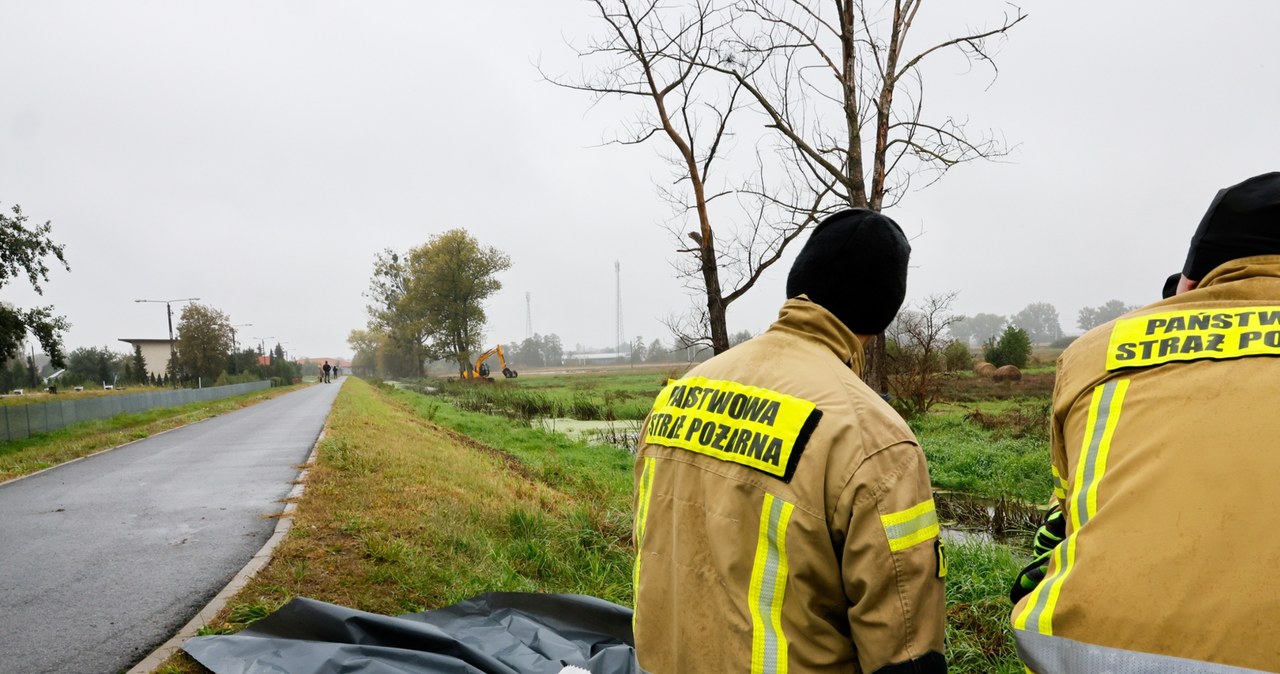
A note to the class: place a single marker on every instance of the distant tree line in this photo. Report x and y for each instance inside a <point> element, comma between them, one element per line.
<point>1039,320</point>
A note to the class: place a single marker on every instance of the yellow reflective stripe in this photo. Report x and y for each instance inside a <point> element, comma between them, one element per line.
<point>1104,448</point>
<point>912,526</point>
<point>768,585</point>
<point>1104,414</point>
<point>1059,485</point>
<point>1035,610</point>
<point>642,516</point>
<point>642,505</point>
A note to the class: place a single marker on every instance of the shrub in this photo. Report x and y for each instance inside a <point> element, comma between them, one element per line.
<point>957,356</point>
<point>1013,348</point>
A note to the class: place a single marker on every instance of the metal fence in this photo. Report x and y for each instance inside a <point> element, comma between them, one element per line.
<point>18,422</point>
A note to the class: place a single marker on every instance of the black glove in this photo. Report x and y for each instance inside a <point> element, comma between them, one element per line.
<point>1048,536</point>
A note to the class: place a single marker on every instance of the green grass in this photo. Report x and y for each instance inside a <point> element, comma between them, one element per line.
<point>979,636</point>
<point>45,450</point>
<point>964,456</point>
<point>551,457</point>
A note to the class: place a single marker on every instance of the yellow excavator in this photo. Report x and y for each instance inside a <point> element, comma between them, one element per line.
<point>481,369</point>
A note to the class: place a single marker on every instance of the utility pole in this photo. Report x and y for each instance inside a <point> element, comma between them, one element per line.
<point>620,339</point>
<point>528,317</point>
<point>235,348</point>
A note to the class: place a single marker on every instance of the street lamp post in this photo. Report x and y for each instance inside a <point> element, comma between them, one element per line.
<point>173,352</point>
<point>262,348</point>
<point>235,347</point>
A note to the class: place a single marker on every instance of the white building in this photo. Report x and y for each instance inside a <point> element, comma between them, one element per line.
<point>155,352</point>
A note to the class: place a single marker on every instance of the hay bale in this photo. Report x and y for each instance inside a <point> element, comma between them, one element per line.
<point>984,369</point>
<point>1007,373</point>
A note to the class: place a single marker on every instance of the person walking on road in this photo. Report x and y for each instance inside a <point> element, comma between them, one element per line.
<point>784,517</point>
<point>326,368</point>
<point>1164,464</point>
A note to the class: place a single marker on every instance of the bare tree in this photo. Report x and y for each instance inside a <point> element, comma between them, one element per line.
<point>656,51</point>
<point>845,97</point>
<point>916,359</point>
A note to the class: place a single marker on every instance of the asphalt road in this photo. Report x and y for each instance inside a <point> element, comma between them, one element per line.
<point>102,560</point>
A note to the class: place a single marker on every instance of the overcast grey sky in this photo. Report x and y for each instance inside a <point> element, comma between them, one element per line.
<point>258,154</point>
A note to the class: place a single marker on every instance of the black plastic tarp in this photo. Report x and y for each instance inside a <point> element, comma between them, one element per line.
<point>495,633</point>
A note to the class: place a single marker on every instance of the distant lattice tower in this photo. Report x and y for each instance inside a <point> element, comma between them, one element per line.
<point>528,317</point>
<point>621,339</point>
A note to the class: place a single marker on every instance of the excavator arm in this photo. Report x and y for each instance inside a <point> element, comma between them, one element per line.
<point>481,371</point>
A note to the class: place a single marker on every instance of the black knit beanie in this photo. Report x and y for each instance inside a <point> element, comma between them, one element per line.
<point>855,266</point>
<point>1242,221</point>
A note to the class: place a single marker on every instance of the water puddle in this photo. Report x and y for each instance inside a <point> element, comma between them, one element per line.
<point>622,434</point>
<point>966,518</point>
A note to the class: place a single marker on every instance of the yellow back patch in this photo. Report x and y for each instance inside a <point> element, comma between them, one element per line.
<point>748,425</point>
<point>1194,334</point>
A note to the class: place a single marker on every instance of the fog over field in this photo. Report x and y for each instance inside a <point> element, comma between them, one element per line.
<point>258,155</point>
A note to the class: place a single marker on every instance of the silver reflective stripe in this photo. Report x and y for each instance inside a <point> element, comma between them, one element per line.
<point>920,523</point>
<point>1091,458</point>
<point>766,592</point>
<point>1054,655</point>
<point>768,585</point>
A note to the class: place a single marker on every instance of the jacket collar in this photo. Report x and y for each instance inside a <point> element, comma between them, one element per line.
<point>810,321</point>
<point>1242,268</point>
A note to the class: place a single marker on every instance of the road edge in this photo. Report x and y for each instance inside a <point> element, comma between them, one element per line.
<point>284,523</point>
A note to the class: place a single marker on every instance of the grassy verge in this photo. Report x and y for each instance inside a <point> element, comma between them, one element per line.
<point>401,515</point>
<point>44,450</point>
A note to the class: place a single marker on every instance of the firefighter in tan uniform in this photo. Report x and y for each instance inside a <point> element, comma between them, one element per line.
<point>784,518</point>
<point>1166,452</point>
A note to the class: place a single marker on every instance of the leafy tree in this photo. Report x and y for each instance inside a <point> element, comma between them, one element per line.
<point>977,329</point>
<point>958,356</point>
<point>656,353</point>
<point>402,334</point>
<point>536,351</point>
<point>1092,317</point>
<point>430,300</point>
<point>93,366</point>
<point>204,340</point>
<point>14,375</point>
<point>364,343</point>
<point>1013,348</point>
<point>1040,321</point>
<point>22,252</point>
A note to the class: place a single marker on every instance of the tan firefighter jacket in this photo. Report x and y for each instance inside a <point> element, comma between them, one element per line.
<point>1166,453</point>
<point>784,519</point>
